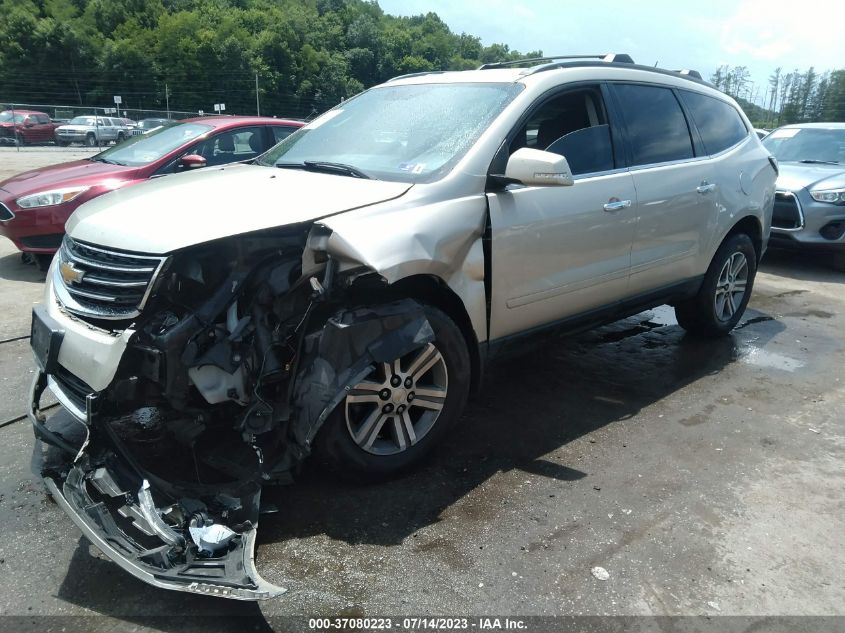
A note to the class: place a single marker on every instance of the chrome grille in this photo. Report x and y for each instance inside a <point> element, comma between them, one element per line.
<point>787,214</point>
<point>96,282</point>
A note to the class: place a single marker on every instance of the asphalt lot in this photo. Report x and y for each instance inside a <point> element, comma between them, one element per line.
<point>15,160</point>
<point>706,477</point>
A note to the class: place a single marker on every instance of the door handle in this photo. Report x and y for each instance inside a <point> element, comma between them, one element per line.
<point>614,204</point>
<point>705,187</point>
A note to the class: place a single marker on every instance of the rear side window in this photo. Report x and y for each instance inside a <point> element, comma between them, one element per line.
<point>656,126</point>
<point>718,123</point>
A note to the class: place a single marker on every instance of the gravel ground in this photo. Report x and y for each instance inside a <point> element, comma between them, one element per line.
<point>703,478</point>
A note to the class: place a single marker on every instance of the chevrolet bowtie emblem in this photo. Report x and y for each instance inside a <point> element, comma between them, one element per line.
<point>70,274</point>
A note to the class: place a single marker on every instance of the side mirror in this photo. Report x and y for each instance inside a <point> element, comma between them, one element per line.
<point>536,168</point>
<point>29,124</point>
<point>192,161</point>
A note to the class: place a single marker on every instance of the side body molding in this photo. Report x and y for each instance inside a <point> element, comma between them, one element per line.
<point>442,239</point>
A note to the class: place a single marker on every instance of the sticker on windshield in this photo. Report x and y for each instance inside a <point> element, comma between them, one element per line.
<point>414,168</point>
<point>787,133</point>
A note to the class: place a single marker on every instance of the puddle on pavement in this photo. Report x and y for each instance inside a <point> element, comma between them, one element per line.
<point>770,360</point>
<point>662,316</point>
<point>746,351</point>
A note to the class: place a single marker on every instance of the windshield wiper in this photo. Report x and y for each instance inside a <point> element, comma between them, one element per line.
<point>110,162</point>
<point>819,162</point>
<point>326,167</point>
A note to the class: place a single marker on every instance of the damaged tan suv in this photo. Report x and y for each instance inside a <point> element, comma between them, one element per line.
<point>342,293</point>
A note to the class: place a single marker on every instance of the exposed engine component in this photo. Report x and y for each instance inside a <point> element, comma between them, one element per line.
<point>214,398</point>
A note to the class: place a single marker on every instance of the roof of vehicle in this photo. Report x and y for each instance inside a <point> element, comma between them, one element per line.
<point>510,72</point>
<point>26,111</point>
<point>832,125</point>
<point>223,122</point>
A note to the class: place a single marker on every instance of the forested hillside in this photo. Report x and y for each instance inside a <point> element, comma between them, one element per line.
<point>302,57</point>
<point>307,55</point>
<point>787,97</point>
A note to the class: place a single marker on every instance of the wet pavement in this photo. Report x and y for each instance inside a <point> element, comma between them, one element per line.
<point>705,477</point>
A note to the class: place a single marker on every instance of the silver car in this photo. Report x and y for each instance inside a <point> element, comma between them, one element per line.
<point>342,293</point>
<point>810,198</point>
<point>92,131</point>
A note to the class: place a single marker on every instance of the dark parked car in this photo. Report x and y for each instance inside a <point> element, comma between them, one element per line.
<point>146,125</point>
<point>26,126</point>
<point>35,205</point>
<point>810,199</point>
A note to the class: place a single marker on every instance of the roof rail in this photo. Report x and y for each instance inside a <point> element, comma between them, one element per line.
<point>421,74</point>
<point>689,73</point>
<point>619,58</point>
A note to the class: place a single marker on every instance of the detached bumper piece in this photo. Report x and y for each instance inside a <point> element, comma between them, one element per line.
<point>171,543</point>
<point>117,527</point>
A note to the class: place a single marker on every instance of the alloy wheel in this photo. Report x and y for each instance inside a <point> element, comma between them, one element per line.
<point>398,403</point>
<point>731,286</point>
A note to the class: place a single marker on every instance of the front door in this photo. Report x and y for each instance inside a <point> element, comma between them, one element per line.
<point>560,251</point>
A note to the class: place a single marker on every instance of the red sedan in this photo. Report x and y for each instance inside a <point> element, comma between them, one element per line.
<point>35,205</point>
<point>26,126</point>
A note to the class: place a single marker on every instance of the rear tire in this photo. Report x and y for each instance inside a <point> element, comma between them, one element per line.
<point>43,262</point>
<point>341,443</point>
<point>725,291</point>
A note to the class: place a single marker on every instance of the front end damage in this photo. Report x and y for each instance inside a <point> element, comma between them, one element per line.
<point>242,350</point>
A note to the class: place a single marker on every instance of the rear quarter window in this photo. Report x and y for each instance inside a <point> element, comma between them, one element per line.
<point>719,124</point>
<point>656,127</point>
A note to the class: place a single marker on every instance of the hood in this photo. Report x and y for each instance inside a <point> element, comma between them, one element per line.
<point>166,214</point>
<point>78,172</point>
<point>797,176</point>
<point>77,128</point>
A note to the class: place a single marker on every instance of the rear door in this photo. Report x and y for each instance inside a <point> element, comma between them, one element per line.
<point>109,130</point>
<point>676,192</point>
<point>560,251</point>
<point>43,129</point>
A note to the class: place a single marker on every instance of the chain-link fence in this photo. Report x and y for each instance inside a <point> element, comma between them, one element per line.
<point>35,124</point>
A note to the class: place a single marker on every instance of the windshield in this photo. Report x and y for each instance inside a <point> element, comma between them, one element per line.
<point>149,124</point>
<point>6,117</point>
<point>408,133</point>
<point>82,120</point>
<point>144,149</point>
<point>807,144</point>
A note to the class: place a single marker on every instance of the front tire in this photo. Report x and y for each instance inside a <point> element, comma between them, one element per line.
<point>724,294</point>
<point>91,140</point>
<point>394,417</point>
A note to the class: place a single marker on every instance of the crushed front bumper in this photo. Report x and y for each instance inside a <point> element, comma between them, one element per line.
<point>112,504</point>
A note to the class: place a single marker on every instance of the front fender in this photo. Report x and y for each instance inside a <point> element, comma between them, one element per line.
<point>442,239</point>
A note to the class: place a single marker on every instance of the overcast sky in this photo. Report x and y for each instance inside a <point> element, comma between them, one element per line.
<point>759,34</point>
